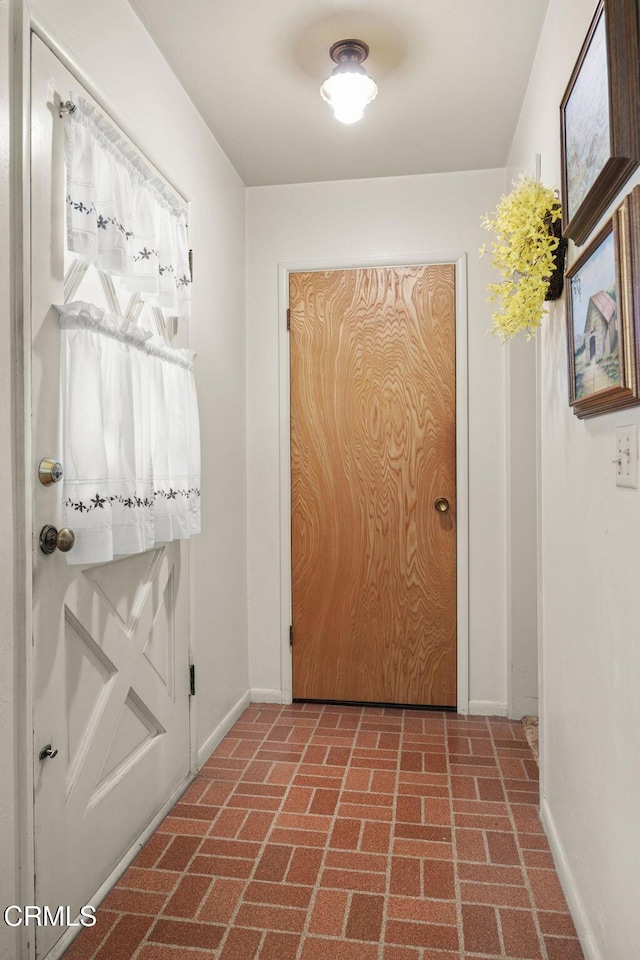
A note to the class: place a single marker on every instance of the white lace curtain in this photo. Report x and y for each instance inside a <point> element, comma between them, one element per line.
<point>130,437</point>
<point>121,216</point>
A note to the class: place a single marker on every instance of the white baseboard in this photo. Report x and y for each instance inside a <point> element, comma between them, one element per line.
<point>583,927</point>
<point>214,738</point>
<point>69,935</point>
<point>262,695</point>
<point>487,708</point>
<point>523,707</point>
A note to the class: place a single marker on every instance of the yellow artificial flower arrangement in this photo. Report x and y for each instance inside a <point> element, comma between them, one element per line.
<point>525,255</point>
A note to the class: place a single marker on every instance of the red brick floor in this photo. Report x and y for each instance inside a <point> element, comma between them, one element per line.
<point>346,833</point>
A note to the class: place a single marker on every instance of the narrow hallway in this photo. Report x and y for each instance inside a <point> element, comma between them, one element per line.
<point>346,833</point>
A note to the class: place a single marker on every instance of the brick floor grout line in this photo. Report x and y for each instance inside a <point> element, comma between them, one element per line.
<point>392,829</point>
<point>249,760</point>
<point>185,871</point>
<point>485,842</point>
<point>168,893</point>
<point>182,873</point>
<point>502,883</point>
<point>454,843</point>
<point>231,922</point>
<point>316,885</point>
<point>206,836</point>
<point>503,949</point>
<point>156,916</point>
<point>534,909</point>
<point>104,938</point>
<point>345,919</point>
<point>496,911</point>
<point>363,822</point>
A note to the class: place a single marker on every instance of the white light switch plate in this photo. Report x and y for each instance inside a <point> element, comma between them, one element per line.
<point>627,456</point>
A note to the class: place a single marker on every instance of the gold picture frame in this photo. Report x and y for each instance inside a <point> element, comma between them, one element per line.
<point>603,312</point>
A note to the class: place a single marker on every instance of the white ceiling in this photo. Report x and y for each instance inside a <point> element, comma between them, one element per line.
<point>451,77</point>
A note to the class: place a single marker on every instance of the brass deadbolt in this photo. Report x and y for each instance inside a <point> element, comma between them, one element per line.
<point>441,504</point>
<point>49,471</point>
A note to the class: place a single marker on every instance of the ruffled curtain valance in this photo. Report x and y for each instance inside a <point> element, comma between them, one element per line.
<point>121,216</point>
<point>131,437</point>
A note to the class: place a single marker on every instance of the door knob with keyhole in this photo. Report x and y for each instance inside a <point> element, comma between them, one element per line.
<point>441,504</point>
<point>52,539</point>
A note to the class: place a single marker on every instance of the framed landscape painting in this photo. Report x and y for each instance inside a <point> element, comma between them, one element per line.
<point>599,118</point>
<point>602,316</point>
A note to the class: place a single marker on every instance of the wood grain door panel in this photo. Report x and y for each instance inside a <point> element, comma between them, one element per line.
<point>372,446</point>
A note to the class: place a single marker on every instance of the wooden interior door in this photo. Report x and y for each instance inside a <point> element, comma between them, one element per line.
<point>111,673</point>
<point>373,441</point>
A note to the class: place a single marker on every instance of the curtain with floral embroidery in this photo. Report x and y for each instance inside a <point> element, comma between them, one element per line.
<point>131,437</point>
<point>120,214</point>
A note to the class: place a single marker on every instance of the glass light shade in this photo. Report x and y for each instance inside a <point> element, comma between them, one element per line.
<point>349,91</point>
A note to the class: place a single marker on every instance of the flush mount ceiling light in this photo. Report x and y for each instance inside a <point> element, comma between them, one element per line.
<point>349,88</point>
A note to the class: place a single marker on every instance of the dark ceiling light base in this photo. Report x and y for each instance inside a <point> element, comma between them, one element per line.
<point>349,51</point>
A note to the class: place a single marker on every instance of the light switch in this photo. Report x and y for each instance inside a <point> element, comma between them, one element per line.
<point>627,456</point>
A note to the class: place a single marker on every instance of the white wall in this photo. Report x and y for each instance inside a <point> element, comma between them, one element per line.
<point>412,217</point>
<point>590,601</point>
<point>522,552</point>
<point>111,46</point>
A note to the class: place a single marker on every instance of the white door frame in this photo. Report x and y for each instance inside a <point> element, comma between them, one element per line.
<point>24,21</point>
<point>462,454</point>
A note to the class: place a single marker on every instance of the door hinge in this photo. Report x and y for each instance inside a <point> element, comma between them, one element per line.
<point>290,636</point>
<point>192,679</point>
<point>288,319</point>
<point>191,265</point>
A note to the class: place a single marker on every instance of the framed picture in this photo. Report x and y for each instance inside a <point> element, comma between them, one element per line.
<point>600,118</point>
<point>603,316</point>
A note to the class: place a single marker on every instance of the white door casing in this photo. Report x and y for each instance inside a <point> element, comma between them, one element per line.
<point>111,644</point>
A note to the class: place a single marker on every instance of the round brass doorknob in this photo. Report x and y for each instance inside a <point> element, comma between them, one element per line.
<point>52,539</point>
<point>441,504</point>
<point>65,540</point>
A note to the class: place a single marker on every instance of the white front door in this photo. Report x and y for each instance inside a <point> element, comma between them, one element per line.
<point>111,675</point>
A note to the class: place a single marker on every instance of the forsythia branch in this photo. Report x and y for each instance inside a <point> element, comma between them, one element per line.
<point>523,253</point>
